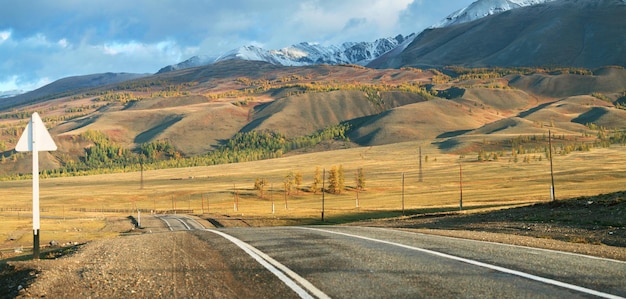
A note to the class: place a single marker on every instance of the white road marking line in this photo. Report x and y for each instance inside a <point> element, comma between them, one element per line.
<point>196,221</point>
<point>180,219</point>
<point>166,223</point>
<point>511,245</point>
<point>480,264</point>
<point>272,265</point>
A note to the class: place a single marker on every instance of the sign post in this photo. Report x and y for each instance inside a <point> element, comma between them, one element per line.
<point>35,139</point>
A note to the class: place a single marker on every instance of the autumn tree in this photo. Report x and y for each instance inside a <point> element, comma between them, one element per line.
<point>297,179</point>
<point>360,179</point>
<point>317,180</point>
<point>259,186</point>
<point>332,179</point>
<point>336,180</point>
<point>289,182</point>
<point>341,181</point>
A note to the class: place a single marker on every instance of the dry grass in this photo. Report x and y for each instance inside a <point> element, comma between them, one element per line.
<point>486,185</point>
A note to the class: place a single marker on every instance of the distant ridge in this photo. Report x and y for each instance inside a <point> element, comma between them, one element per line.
<point>67,84</point>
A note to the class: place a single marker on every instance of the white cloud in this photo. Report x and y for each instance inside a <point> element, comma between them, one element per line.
<point>63,43</point>
<point>4,35</point>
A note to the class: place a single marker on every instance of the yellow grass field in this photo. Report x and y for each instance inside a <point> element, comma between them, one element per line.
<point>75,209</point>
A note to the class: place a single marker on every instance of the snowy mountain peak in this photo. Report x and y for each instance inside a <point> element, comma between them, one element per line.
<point>301,54</point>
<point>483,8</point>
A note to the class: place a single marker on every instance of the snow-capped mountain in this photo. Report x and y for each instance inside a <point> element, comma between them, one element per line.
<point>483,8</point>
<point>302,54</point>
<point>360,53</point>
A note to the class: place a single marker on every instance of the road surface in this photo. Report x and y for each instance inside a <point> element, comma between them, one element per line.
<point>360,262</point>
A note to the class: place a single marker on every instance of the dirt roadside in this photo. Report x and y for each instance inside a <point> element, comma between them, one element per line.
<point>148,263</point>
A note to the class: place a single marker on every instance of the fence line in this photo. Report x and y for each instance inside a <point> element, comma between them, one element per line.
<point>21,210</point>
<point>169,211</point>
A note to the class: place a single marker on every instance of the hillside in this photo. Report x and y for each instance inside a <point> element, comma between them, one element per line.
<point>196,111</point>
<point>580,33</point>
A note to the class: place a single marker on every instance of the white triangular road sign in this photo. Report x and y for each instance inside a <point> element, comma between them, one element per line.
<point>35,132</point>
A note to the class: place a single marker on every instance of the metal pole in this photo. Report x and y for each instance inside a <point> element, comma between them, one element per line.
<point>36,224</point>
<point>552,195</point>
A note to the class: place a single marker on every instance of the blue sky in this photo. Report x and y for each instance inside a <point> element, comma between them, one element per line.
<point>43,41</point>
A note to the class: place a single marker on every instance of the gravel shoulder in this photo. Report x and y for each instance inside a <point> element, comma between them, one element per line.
<point>152,263</point>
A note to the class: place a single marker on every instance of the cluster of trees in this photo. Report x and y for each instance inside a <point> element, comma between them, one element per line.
<point>281,84</point>
<point>464,73</point>
<point>530,144</point>
<point>255,145</point>
<point>106,156</point>
<point>158,150</point>
<point>335,182</point>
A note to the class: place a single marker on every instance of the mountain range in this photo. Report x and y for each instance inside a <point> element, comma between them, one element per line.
<point>417,91</point>
<point>579,33</point>
<point>360,53</point>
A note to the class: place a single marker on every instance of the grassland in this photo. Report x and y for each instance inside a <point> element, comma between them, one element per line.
<point>77,208</point>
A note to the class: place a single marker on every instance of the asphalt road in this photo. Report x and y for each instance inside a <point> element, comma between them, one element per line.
<point>360,262</point>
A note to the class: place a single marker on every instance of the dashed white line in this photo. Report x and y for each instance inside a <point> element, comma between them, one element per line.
<point>480,264</point>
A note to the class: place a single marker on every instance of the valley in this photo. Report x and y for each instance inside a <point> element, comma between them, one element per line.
<point>481,157</point>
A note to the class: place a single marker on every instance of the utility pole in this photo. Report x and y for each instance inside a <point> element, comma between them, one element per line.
<point>357,189</point>
<point>141,166</point>
<point>461,186</point>
<point>323,181</point>
<point>235,198</point>
<point>552,195</point>
<point>403,194</point>
<point>420,164</point>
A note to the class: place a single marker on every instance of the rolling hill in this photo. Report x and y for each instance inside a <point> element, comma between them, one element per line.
<point>198,110</point>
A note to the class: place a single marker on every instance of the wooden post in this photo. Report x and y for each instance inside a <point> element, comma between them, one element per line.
<point>420,164</point>
<point>552,195</point>
<point>235,199</point>
<point>461,186</point>
<point>403,194</point>
<point>323,181</point>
